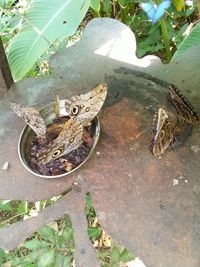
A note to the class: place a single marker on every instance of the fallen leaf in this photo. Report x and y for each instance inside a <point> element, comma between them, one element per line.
<point>106,239</point>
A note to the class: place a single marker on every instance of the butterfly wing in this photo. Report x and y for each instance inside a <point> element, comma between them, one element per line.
<point>86,107</point>
<point>162,133</point>
<point>69,139</point>
<point>149,9</point>
<point>160,11</point>
<point>183,106</point>
<point>181,133</point>
<point>32,117</point>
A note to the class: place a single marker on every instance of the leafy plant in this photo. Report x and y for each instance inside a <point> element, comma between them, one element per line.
<point>109,254</point>
<point>53,244</point>
<point>12,211</point>
<point>164,35</point>
<point>120,254</point>
<point>190,41</point>
<point>49,247</point>
<point>42,23</point>
<point>40,28</point>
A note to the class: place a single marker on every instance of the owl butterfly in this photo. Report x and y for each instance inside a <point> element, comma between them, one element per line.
<point>69,139</point>
<point>162,133</point>
<point>85,107</point>
<point>183,106</point>
<point>32,117</point>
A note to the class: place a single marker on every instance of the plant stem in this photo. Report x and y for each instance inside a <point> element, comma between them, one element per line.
<point>166,39</point>
<point>132,8</point>
<point>95,14</point>
<point>198,1</point>
<point>11,218</point>
<point>123,15</point>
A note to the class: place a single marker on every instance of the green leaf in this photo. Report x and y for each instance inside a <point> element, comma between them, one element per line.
<point>179,4</point>
<point>34,255</point>
<point>46,259</point>
<point>63,261</point>
<point>67,261</point>
<point>5,205</point>
<point>88,200</point>
<point>2,256</point>
<point>95,5</point>
<point>126,256</point>
<point>22,207</point>
<point>122,3</point>
<point>115,255</point>
<point>190,41</point>
<point>68,233</point>
<point>36,244</point>
<point>94,232</point>
<point>47,233</point>
<point>45,21</point>
<point>59,260</point>
<point>107,7</point>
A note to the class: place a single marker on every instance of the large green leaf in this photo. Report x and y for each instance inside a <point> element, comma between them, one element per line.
<point>126,255</point>
<point>44,22</point>
<point>115,255</point>
<point>192,40</point>
<point>95,5</point>
<point>94,232</point>
<point>35,244</point>
<point>47,259</point>
<point>47,233</point>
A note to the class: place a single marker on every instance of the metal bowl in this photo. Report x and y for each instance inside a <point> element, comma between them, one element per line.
<point>27,135</point>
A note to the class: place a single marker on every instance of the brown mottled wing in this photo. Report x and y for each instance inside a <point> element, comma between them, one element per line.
<point>181,133</point>
<point>86,107</point>
<point>69,139</point>
<point>32,117</point>
<point>183,106</point>
<point>162,133</point>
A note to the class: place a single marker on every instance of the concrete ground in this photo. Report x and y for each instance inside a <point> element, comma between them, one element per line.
<point>148,204</point>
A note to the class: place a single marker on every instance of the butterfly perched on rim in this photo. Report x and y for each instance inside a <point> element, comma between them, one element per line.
<point>164,136</point>
<point>32,117</point>
<point>86,107</point>
<point>184,108</point>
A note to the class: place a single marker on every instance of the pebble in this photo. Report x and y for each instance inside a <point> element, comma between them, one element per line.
<point>175,182</point>
<point>75,183</point>
<point>195,149</point>
<point>6,166</point>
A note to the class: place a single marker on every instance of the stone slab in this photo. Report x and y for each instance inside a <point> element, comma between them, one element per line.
<point>133,192</point>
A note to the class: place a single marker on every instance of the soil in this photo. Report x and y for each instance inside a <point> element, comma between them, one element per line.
<point>65,163</point>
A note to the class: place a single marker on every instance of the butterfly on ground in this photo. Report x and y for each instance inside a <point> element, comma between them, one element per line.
<point>164,135</point>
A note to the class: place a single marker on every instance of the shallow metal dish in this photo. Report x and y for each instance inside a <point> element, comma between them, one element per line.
<point>27,135</point>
